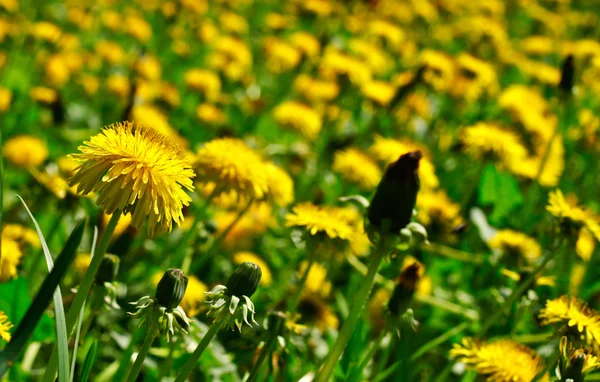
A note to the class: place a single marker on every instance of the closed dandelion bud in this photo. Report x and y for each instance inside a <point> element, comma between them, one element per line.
<point>244,281</point>
<point>406,284</point>
<point>567,75</point>
<point>171,288</point>
<point>392,205</point>
<point>109,267</point>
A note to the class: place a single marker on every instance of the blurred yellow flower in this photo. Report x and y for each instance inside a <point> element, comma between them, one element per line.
<point>316,311</point>
<point>266,278</point>
<point>82,262</point>
<point>338,63</point>
<point>516,244</point>
<point>205,81</point>
<point>138,170</point>
<point>331,221</point>
<point>149,67</point>
<point>586,244</point>
<point>138,28</point>
<point>436,210</point>
<point>281,185</point>
<point>357,167</point>
<point>298,116</point>
<point>21,234</point>
<point>5,327</point>
<point>111,19</point>
<point>281,55</point>
<point>193,299</point>
<point>569,213</point>
<point>46,31</point>
<point>25,151</point>
<point>148,115</point>
<point>379,92</point>
<point>440,69</point>
<point>489,140</point>
<point>571,312</point>
<point>90,84</point>
<point>43,95</point>
<point>500,361</point>
<point>110,51</point>
<point>118,84</point>
<point>210,114</point>
<point>232,22</point>
<point>11,257</point>
<point>316,90</point>
<point>308,44</point>
<point>540,280</point>
<point>253,224</point>
<point>122,225</point>
<point>56,70</point>
<point>5,99</point>
<point>316,280</point>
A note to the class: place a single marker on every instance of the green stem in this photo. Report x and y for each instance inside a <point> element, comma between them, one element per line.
<point>518,292</point>
<point>453,253</point>
<point>356,373</point>
<point>139,360</point>
<point>293,305</point>
<point>191,362</point>
<point>83,291</point>
<point>165,370</point>
<point>126,355</point>
<point>196,265</point>
<point>438,341</point>
<point>357,306</point>
<point>471,188</point>
<point>264,353</point>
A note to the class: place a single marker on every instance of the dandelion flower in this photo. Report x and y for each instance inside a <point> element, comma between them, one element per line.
<point>11,257</point>
<point>82,262</point>
<point>379,92</point>
<point>436,209</point>
<point>316,280</point>
<point>5,326</point>
<point>358,168</point>
<point>281,185</point>
<point>135,169</point>
<point>253,224</point>
<point>193,299</point>
<point>242,257</point>
<point>513,243</point>
<point>574,314</point>
<point>330,221</point>
<point>233,166</point>
<point>485,139</point>
<point>500,361</point>
<point>25,151</point>
<point>316,311</point>
<point>571,215</point>
<point>300,117</point>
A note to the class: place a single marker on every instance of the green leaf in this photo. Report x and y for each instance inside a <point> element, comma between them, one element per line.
<point>89,361</point>
<point>14,303</point>
<point>41,301</point>
<point>500,190</point>
<point>59,309</point>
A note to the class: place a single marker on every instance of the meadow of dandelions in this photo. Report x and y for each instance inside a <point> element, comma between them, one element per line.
<point>300,190</point>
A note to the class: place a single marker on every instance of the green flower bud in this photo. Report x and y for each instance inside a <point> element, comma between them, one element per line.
<point>109,267</point>
<point>171,288</point>
<point>567,75</point>
<point>391,207</point>
<point>406,284</point>
<point>244,281</point>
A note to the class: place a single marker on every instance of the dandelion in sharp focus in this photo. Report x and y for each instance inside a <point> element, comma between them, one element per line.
<point>133,168</point>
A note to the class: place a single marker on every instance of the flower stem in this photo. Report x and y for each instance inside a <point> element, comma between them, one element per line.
<point>357,306</point>
<point>518,292</point>
<point>126,355</point>
<point>293,305</point>
<point>264,353</point>
<point>83,291</point>
<point>139,360</point>
<point>218,239</point>
<point>356,373</point>
<point>191,362</point>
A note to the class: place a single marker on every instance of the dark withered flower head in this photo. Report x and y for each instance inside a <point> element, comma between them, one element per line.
<point>392,205</point>
<point>406,284</point>
<point>567,75</point>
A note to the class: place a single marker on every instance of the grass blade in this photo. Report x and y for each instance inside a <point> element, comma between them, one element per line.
<point>59,309</point>
<point>41,300</point>
<point>89,362</point>
<point>80,319</point>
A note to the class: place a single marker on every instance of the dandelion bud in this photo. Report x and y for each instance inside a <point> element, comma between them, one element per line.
<point>406,284</point>
<point>171,288</point>
<point>567,75</point>
<point>391,207</point>
<point>244,281</point>
<point>109,267</point>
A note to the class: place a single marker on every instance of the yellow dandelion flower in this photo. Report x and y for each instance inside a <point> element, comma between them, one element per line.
<point>500,361</point>
<point>21,234</point>
<point>118,84</point>
<point>210,114</point>
<point>424,284</point>
<point>90,84</point>
<point>516,244</point>
<point>281,185</point>
<point>387,30</point>
<point>330,221</point>
<point>46,96</point>
<point>253,224</point>
<point>339,63</point>
<point>241,257</point>
<point>5,99</point>
<point>122,225</point>
<point>5,327</point>
<point>11,257</point>
<point>25,151</point>
<point>135,169</point>
<point>317,312</point>
<point>485,139</point>
<point>232,22</point>
<point>281,55</point>
<point>570,214</point>
<point>436,209</point>
<point>299,117</point>
<point>440,69</point>
<point>204,81</point>
<point>193,298</point>
<point>540,280</point>
<point>316,280</point>
<point>316,90</point>
<point>138,28</point>
<point>278,21</point>
<point>379,92</point>
<point>47,31</point>
<point>233,166</point>
<point>376,59</point>
<point>570,312</point>
<point>82,262</point>
<point>149,67</point>
<point>585,245</point>
<point>148,115</point>
<point>377,307</point>
<point>591,361</point>
<point>357,167</point>
<point>308,44</point>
